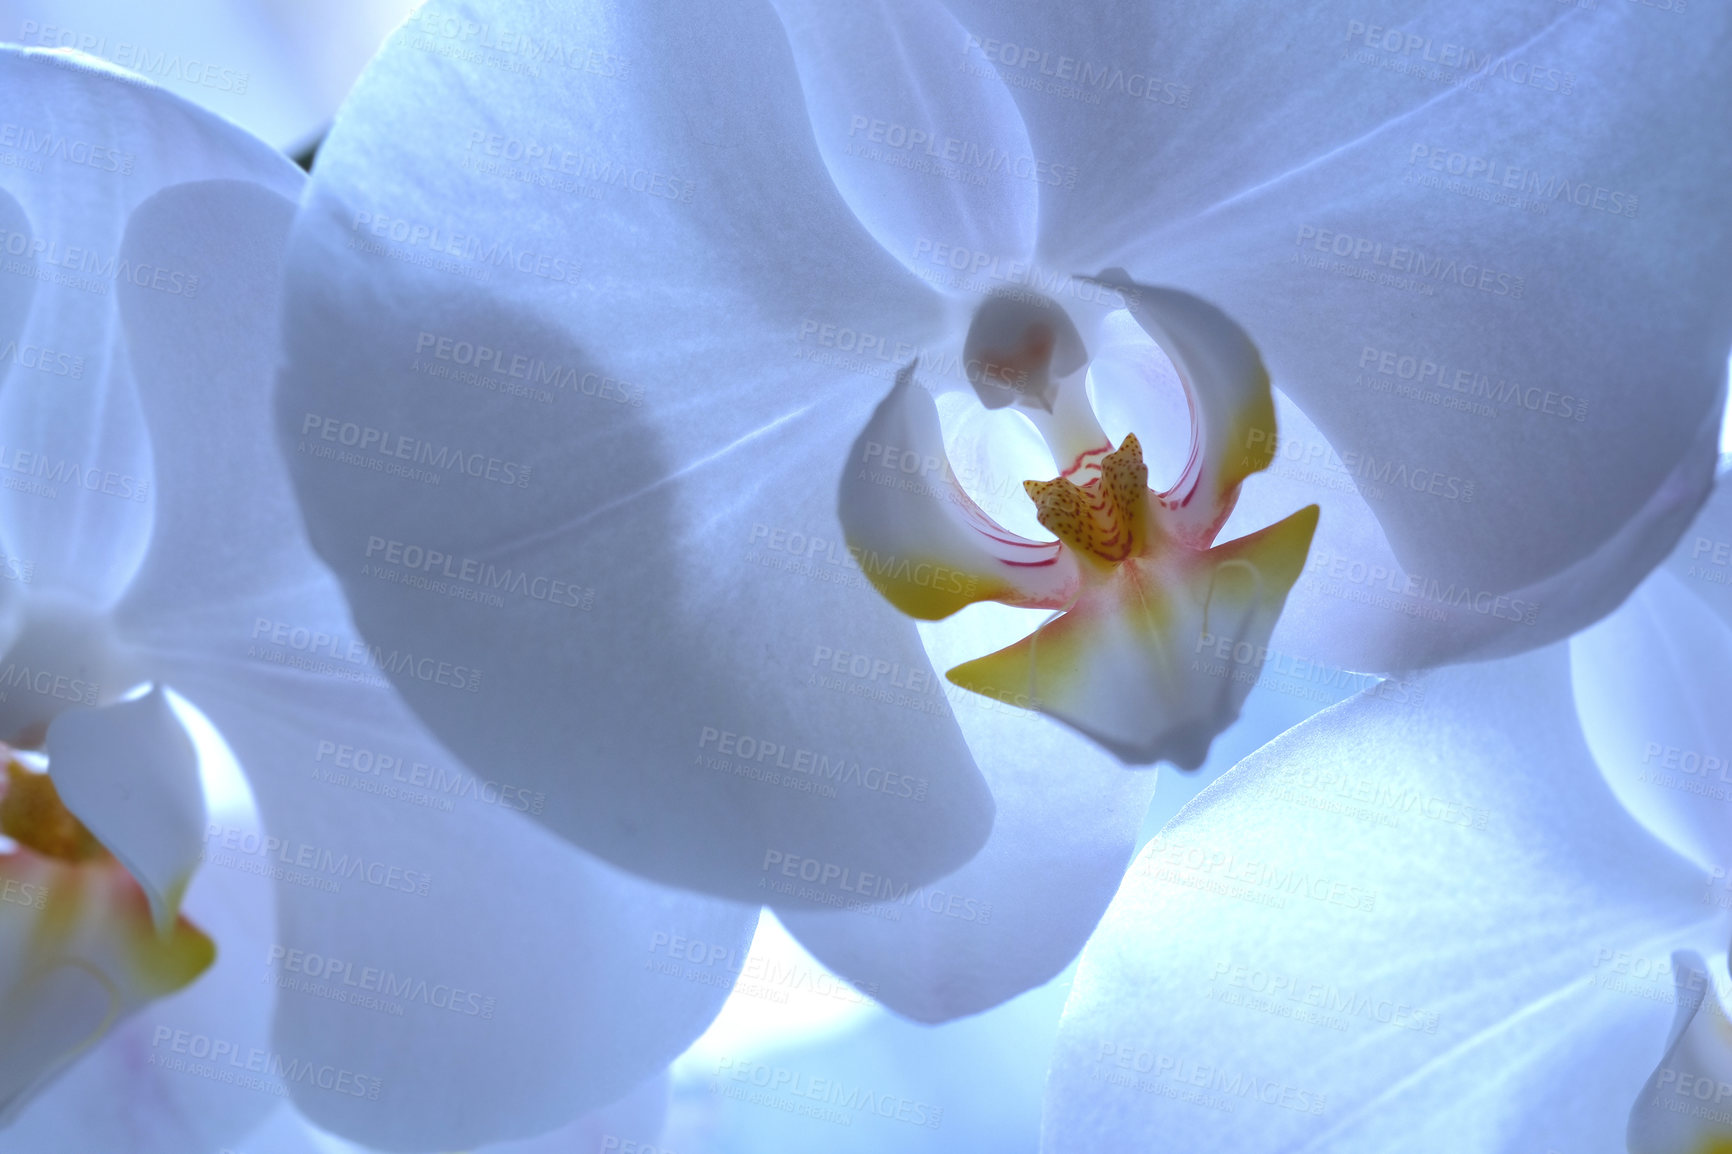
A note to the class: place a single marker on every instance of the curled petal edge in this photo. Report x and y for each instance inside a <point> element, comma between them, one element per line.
<point>920,538</point>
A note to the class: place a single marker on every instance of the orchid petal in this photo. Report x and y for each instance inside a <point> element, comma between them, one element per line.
<point>379,874</point>
<point>1528,357</point>
<point>1670,1117</point>
<point>634,1120</point>
<point>663,699</point>
<point>1145,96</point>
<point>1022,909</point>
<point>279,70</point>
<point>203,366</point>
<point>1356,605</point>
<point>77,506</point>
<point>1381,931</point>
<point>1232,410</point>
<point>1122,666</point>
<point>390,857</point>
<point>1014,916</point>
<point>628,1125</point>
<point>1650,686</point>
<point>902,129</point>
<point>129,772</point>
<point>16,292</point>
<point>1702,561</point>
<point>920,538</point>
<point>400,874</point>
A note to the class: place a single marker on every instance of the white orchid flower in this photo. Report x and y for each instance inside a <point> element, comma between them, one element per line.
<point>426,934</point>
<point>279,70</point>
<point>1443,927</point>
<point>587,321</point>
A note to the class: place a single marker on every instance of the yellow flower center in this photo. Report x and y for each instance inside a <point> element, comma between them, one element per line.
<point>32,814</point>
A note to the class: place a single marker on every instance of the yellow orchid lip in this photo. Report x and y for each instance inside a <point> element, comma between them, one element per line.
<point>1134,575</point>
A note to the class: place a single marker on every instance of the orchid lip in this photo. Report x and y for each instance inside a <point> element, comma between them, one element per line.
<point>1135,576</point>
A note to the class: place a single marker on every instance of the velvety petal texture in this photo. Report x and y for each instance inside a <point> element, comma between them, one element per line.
<point>1390,928</point>
<point>924,152</point>
<point>555,425</point>
<point>200,364</point>
<point>1358,606</point>
<point>1017,913</point>
<point>420,910</point>
<point>77,511</point>
<point>1702,562</point>
<point>16,291</point>
<point>77,508</point>
<point>400,885</point>
<point>631,1125</point>
<point>1650,684</point>
<point>278,69</point>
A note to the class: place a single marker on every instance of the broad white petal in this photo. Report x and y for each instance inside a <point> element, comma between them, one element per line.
<point>1390,928</point>
<point>628,1126</point>
<point>76,505</point>
<point>278,69</point>
<point>129,772</point>
<point>1356,605</point>
<point>1650,684</point>
<point>203,367</point>
<point>638,593</point>
<point>1170,109</point>
<point>1068,816</point>
<point>430,933</point>
<point>925,152</point>
<point>16,292</point>
<point>390,857</point>
<point>1703,558</point>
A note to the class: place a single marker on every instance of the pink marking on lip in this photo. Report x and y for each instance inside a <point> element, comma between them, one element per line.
<point>986,527</point>
<point>1082,458</point>
<point>1193,470</point>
